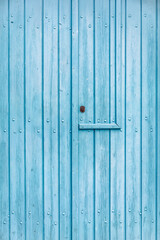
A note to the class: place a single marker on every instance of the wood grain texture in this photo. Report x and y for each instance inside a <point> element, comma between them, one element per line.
<point>17,167</point>
<point>75,116</point>
<point>86,98</point>
<point>65,111</point>
<point>99,126</point>
<point>101,109</point>
<point>51,118</point>
<point>117,148</point>
<point>65,174</point>
<point>34,146</point>
<point>133,120</point>
<point>4,122</point>
<point>149,120</point>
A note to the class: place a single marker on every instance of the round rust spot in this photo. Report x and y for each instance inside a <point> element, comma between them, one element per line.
<point>82,109</point>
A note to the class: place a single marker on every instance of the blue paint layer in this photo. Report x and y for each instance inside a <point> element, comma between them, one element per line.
<point>66,174</point>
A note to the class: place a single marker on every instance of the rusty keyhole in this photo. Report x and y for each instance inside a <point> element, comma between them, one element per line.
<point>82,109</point>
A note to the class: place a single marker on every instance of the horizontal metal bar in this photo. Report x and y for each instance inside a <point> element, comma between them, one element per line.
<point>98,126</point>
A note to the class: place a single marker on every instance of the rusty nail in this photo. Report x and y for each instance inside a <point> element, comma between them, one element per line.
<point>82,109</point>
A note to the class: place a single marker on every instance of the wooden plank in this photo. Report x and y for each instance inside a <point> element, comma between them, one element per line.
<point>101,116</point>
<point>51,181</point>
<point>112,117</point>
<point>133,120</point>
<point>117,111</point>
<point>75,109</point>
<point>4,123</point>
<point>86,98</point>
<point>124,61</point>
<point>148,119</point>
<point>34,146</point>
<point>98,126</point>
<point>65,117</point>
<point>17,190</point>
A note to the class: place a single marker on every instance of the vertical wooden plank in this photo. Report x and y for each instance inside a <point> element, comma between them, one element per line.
<point>133,121</point>
<point>102,116</point>
<point>86,141</point>
<point>34,202</point>
<point>75,111</point>
<point>148,119</point>
<point>123,26</point>
<point>117,88</point>
<point>17,119</point>
<point>112,69</point>
<point>51,119</point>
<point>112,118</point>
<point>65,123</point>
<point>4,128</point>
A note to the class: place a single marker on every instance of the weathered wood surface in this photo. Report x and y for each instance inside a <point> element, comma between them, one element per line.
<point>65,174</point>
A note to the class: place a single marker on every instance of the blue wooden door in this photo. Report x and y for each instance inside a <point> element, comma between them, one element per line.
<point>66,172</point>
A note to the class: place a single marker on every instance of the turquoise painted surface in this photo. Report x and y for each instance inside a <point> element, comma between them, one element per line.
<point>60,181</point>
